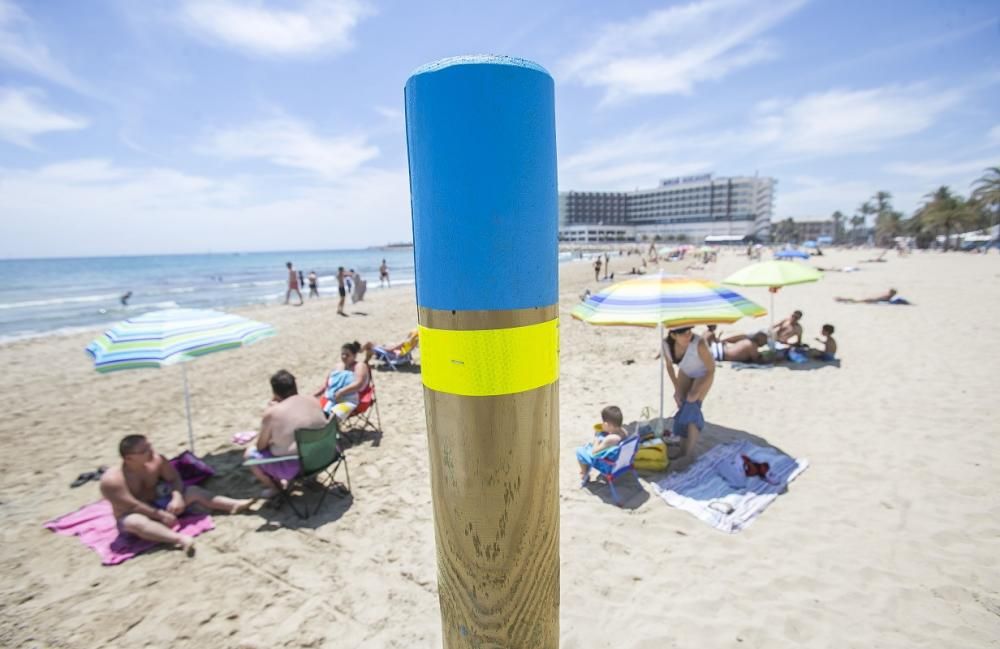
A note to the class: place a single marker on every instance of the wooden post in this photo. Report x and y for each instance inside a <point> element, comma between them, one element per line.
<point>481,138</point>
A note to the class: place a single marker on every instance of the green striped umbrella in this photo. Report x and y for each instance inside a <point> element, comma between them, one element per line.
<point>173,336</point>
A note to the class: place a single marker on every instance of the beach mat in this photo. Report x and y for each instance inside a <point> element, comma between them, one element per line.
<point>703,492</point>
<point>95,526</point>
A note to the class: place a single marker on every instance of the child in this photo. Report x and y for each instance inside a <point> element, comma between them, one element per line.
<point>829,351</point>
<point>605,442</point>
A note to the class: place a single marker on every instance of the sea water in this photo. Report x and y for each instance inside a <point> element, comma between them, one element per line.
<point>41,296</point>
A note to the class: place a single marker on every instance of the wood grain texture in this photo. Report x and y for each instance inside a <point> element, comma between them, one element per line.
<point>494,477</point>
<point>472,320</point>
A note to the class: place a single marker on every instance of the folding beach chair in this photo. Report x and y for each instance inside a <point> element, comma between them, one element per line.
<point>318,452</point>
<point>403,357</point>
<point>624,463</point>
<point>362,417</point>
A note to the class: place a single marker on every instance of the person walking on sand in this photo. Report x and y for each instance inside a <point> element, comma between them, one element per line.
<point>341,289</point>
<point>293,284</point>
<point>313,284</point>
<point>597,269</point>
<point>383,275</point>
<point>147,495</point>
<point>692,380</point>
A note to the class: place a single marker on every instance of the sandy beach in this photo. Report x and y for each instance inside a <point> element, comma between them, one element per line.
<point>890,538</point>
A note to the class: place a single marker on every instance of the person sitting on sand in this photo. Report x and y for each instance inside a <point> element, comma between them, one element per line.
<point>605,441</point>
<point>147,495</point>
<point>829,351</point>
<point>889,297</point>
<point>340,394</point>
<point>691,380</point>
<point>287,412</point>
<point>789,329</point>
<point>389,353</point>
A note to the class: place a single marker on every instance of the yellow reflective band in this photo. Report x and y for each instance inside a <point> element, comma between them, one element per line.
<point>490,362</point>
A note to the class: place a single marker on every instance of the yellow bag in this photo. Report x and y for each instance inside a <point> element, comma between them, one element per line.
<point>652,455</point>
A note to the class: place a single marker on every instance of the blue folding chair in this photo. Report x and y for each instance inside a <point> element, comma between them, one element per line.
<point>613,468</point>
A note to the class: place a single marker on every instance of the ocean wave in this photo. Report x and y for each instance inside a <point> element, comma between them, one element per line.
<point>60,300</point>
<point>183,289</point>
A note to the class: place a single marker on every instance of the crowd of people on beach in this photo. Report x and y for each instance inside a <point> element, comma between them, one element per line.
<point>349,282</point>
<point>147,495</point>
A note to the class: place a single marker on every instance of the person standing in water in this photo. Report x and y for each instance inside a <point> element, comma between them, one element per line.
<point>341,289</point>
<point>293,284</point>
<point>383,275</point>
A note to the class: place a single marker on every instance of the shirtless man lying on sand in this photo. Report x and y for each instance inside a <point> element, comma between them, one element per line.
<point>147,495</point>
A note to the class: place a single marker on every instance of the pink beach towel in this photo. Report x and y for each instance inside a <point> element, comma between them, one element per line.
<point>95,526</point>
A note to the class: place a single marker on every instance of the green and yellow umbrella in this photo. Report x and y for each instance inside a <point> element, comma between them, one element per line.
<point>774,275</point>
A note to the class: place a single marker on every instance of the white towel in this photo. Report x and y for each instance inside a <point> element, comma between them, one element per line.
<point>704,492</point>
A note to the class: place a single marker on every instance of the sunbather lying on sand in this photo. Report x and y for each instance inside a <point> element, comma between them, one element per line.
<point>889,297</point>
<point>392,352</point>
<point>742,351</point>
<point>147,495</point>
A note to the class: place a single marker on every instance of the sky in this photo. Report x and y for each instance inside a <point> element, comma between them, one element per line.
<point>223,125</point>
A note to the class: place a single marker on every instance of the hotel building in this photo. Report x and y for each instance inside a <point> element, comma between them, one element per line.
<point>693,206</point>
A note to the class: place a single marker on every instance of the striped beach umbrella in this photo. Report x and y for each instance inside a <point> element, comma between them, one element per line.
<point>665,301</point>
<point>161,338</point>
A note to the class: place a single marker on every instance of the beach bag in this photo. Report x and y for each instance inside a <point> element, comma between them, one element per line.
<point>652,455</point>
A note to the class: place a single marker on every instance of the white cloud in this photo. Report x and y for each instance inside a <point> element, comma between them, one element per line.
<point>942,170</point>
<point>55,210</point>
<point>669,51</point>
<point>849,121</point>
<point>994,134</point>
<point>290,143</point>
<point>314,27</point>
<point>23,116</point>
<point>22,48</point>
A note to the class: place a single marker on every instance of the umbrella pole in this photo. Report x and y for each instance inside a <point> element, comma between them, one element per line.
<point>659,343</point>
<point>187,406</point>
<point>770,330</point>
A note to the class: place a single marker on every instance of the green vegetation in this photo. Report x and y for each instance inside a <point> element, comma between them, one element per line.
<point>942,213</point>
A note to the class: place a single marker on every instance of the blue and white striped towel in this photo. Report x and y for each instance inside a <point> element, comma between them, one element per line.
<point>703,492</point>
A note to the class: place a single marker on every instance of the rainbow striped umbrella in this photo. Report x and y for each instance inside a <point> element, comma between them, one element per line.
<point>667,300</point>
<point>173,336</point>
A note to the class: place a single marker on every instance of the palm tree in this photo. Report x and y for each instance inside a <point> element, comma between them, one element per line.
<point>856,222</point>
<point>986,193</point>
<point>888,226</point>
<point>986,189</point>
<point>944,211</point>
<point>865,209</point>
<point>838,225</point>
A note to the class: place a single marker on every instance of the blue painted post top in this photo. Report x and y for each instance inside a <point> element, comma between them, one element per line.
<point>480,132</point>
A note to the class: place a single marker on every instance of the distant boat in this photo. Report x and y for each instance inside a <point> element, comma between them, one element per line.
<point>399,244</point>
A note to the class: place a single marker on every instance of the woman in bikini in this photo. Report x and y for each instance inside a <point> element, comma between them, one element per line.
<point>692,379</point>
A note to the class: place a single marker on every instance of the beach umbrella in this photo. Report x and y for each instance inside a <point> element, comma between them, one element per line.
<point>665,301</point>
<point>774,275</point>
<point>788,253</point>
<point>171,336</point>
